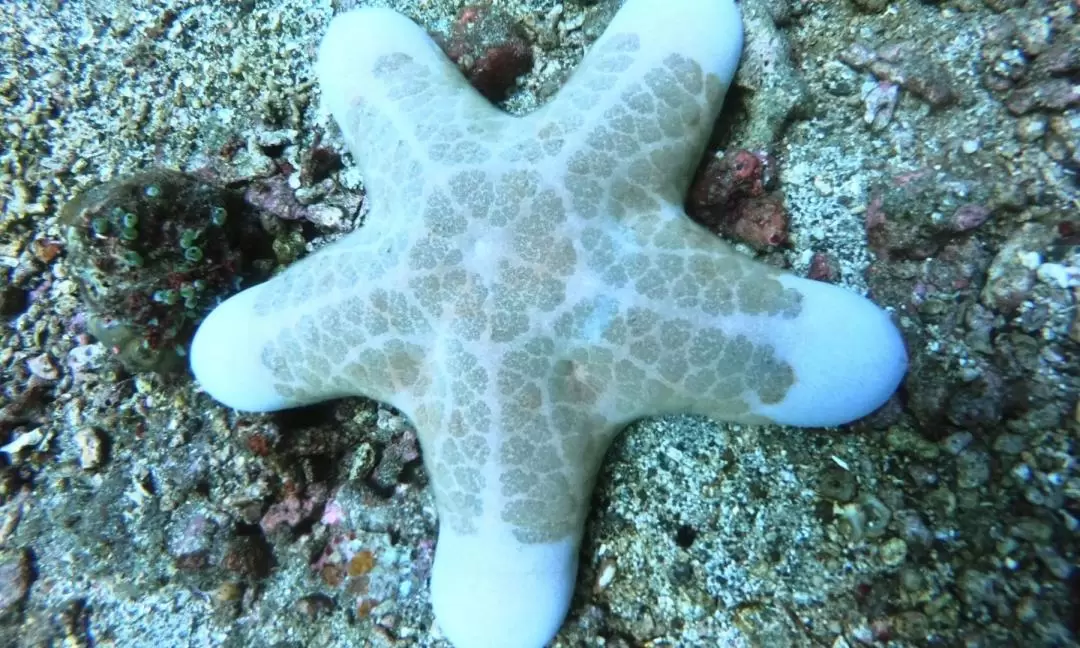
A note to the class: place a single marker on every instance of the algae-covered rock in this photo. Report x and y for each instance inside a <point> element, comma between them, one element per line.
<point>153,252</point>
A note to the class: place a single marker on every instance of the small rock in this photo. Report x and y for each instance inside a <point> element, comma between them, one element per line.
<point>837,484</point>
<point>914,214</point>
<point>1031,128</point>
<point>45,250</point>
<point>92,446</point>
<point>15,578</point>
<point>1011,276</point>
<point>490,50</point>
<point>1059,275</point>
<point>870,6</point>
<point>974,586</point>
<point>893,552</point>
<point>1049,94</point>
<point>26,440</point>
<point>911,626</point>
<point>193,536</point>
<point>43,367</point>
<point>823,268</point>
<point>605,575</point>
<point>294,508</point>
<point>760,222</point>
<point>315,605</point>
<point>274,196</point>
<point>1074,329</point>
<point>880,100</point>
<point>956,443</point>
<point>1032,530</point>
<point>12,298</point>
<point>978,402</point>
<point>972,469</point>
<point>915,531</point>
<point>249,557</point>
<point>968,217</point>
<point>1055,563</point>
<point>327,216</point>
<point>86,357</point>
<point>1034,37</point>
<point>905,66</point>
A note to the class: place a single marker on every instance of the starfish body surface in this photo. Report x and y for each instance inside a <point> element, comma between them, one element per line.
<point>523,288</point>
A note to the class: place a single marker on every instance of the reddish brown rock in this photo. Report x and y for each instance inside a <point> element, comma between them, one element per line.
<point>823,268</point>
<point>729,197</point>
<point>16,575</point>
<point>761,222</point>
<point>905,66</point>
<point>489,49</point>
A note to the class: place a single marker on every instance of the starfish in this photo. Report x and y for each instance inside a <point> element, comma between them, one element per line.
<point>523,288</point>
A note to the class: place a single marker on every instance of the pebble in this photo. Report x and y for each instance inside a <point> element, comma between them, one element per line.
<point>607,574</point>
<point>43,367</point>
<point>893,552</point>
<point>86,357</point>
<point>28,440</point>
<point>327,216</point>
<point>1031,128</point>
<point>1058,566</point>
<point>837,484</point>
<point>192,535</point>
<point>15,578</point>
<point>915,530</point>
<point>91,444</point>
<point>877,516</point>
<point>955,443</point>
<point>1059,275</point>
<point>315,605</point>
<point>880,100</point>
<point>972,469</point>
<point>1010,444</point>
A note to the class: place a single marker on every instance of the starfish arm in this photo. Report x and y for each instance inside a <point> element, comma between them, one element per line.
<point>324,329</point>
<point>645,98</point>
<point>489,590</point>
<point>705,329</point>
<point>402,106</point>
<point>845,353</point>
